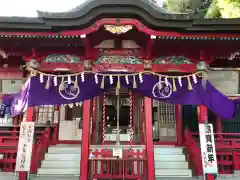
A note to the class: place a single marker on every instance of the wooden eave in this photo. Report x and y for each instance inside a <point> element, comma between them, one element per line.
<point>84,18</point>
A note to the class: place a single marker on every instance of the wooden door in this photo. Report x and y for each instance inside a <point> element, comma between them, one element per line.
<point>164,124</point>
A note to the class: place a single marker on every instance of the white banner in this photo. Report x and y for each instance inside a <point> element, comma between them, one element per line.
<point>208,150</point>
<point>25,144</point>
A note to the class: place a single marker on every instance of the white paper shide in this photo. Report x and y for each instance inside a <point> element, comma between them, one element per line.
<point>208,150</point>
<point>25,144</point>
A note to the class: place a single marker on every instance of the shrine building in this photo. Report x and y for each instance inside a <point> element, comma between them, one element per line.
<point>118,91</point>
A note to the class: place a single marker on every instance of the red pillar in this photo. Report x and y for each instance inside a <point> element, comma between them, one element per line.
<point>179,127</point>
<point>219,128</point>
<point>85,141</point>
<point>29,118</point>
<point>149,142</point>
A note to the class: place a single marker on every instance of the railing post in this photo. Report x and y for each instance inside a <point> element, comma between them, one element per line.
<point>149,142</point>
<point>29,118</point>
<point>85,141</point>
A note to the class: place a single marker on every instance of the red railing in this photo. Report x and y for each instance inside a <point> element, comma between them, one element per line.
<point>39,150</point>
<point>133,165</point>
<point>9,145</point>
<point>227,150</point>
<point>193,153</point>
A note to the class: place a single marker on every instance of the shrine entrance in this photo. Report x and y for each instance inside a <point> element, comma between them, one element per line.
<point>119,150</point>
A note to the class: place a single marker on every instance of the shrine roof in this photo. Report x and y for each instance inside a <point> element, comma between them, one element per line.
<point>145,11</point>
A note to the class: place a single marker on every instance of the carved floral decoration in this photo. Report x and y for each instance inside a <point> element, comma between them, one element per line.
<point>117,60</point>
<point>115,29</point>
<point>172,60</point>
<point>62,58</point>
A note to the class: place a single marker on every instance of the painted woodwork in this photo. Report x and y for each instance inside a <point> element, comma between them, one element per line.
<point>118,60</point>
<point>172,60</point>
<point>62,58</point>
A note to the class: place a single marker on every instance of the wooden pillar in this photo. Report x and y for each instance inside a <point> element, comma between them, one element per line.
<point>202,114</point>
<point>179,127</point>
<point>219,128</point>
<point>85,141</point>
<point>29,118</point>
<point>149,142</point>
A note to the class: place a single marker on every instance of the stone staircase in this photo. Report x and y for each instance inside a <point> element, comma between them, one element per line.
<point>170,162</point>
<point>61,162</point>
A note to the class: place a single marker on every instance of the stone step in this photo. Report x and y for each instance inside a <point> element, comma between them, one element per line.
<point>60,164</point>
<point>173,172</point>
<point>168,150</point>
<point>8,176</point>
<point>62,157</point>
<point>171,165</point>
<point>58,171</point>
<point>64,150</point>
<point>170,158</point>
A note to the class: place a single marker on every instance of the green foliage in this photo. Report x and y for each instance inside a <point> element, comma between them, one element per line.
<point>224,9</point>
<point>182,6</point>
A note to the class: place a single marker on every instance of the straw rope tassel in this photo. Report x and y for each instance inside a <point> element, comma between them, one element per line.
<point>118,86</point>
<point>174,85</point>
<point>47,86</point>
<point>159,82</point>
<point>61,86</point>
<point>76,82</point>
<point>134,82</point>
<point>102,82</point>
<point>131,118</point>
<point>189,84</point>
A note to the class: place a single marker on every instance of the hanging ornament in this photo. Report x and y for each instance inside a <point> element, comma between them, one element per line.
<point>118,85</point>
<point>111,79</point>
<point>41,78</point>
<point>189,84</point>
<point>96,78</point>
<point>166,80</point>
<point>69,80</point>
<point>140,78</point>
<point>159,82</point>
<point>76,82</point>
<point>194,78</point>
<point>82,77</point>
<point>134,82</point>
<point>174,85</point>
<point>61,86</point>
<point>55,81</point>
<point>102,83</point>
<point>180,81</point>
<point>126,79</point>
<point>47,86</point>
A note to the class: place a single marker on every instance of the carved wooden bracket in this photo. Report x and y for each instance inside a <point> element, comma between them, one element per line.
<point>87,64</point>
<point>147,64</point>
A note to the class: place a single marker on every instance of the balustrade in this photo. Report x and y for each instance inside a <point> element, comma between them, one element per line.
<point>227,150</point>
<point>133,165</point>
